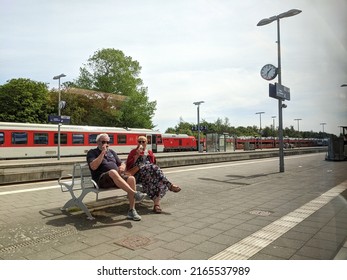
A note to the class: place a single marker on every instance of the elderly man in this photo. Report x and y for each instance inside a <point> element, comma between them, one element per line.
<point>107,170</point>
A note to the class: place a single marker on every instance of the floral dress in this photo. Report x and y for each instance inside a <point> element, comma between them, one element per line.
<point>152,178</point>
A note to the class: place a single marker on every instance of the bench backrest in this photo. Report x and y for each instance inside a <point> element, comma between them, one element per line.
<point>82,172</point>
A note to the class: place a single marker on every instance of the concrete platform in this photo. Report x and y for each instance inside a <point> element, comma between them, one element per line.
<point>244,210</point>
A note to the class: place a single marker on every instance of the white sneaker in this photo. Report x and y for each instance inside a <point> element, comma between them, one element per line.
<point>132,215</point>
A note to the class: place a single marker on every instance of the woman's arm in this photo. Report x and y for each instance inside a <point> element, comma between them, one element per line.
<point>132,157</point>
<point>152,157</point>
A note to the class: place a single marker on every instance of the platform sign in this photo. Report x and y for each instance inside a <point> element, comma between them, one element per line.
<point>59,119</point>
<point>202,128</point>
<point>54,119</point>
<point>279,91</point>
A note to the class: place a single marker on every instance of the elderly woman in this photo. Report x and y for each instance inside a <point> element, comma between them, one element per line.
<point>152,178</point>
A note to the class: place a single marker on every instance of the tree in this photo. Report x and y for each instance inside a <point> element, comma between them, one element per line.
<point>182,128</point>
<point>109,70</point>
<point>87,107</point>
<point>267,132</point>
<point>24,100</point>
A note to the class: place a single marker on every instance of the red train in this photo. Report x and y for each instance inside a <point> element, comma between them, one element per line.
<point>179,142</point>
<point>251,143</point>
<point>24,140</point>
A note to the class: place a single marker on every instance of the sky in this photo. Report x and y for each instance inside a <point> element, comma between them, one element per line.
<point>193,50</point>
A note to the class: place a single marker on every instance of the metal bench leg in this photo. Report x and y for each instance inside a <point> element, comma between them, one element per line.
<point>73,199</point>
<point>69,203</point>
<point>84,208</point>
<point>82,205</point>
<point>78,202</point>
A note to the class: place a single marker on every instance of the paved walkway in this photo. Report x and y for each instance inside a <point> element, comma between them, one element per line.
<point>236,210</point>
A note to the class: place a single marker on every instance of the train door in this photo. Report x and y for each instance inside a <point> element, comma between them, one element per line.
<point>152,142</point>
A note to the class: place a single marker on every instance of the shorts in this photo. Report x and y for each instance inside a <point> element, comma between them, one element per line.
<point>106,182</point>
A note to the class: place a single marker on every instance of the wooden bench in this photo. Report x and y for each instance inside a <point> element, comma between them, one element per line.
<point>80,184</point>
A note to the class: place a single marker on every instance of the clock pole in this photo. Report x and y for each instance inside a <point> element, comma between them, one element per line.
<point>265,21</point>
<point>280,107</point>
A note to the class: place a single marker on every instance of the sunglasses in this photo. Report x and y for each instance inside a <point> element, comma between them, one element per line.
<point>142,142</point>
<point>105,142</point>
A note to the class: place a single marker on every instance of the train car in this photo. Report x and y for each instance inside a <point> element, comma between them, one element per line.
<point>252,143</point>
<point>299,142</point>
<point>179,142</point>
<point>245,143</point>
<point>26,140</point>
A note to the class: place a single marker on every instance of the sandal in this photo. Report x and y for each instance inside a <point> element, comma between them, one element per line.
<point>157,209</point>
<point>174,188</point>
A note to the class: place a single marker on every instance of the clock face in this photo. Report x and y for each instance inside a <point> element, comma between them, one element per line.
<point>268,72</point>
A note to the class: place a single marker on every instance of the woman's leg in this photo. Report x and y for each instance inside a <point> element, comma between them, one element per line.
<point>156,207</point>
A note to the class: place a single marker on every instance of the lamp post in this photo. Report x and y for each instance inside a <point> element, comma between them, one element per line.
<point>59,110</point>
<point>265,21</point>
<point>273,122</point>
<point>298,123</point>
<point>198,111</point>
<point>298,120</point>
<point>323,124</point>
<point>259,113</point>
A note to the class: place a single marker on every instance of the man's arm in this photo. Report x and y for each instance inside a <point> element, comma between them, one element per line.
<point>120,164</point>
<point>95,163</point>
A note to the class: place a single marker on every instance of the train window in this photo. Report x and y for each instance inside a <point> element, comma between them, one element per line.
<point>19,138</point>
<point>40,138</point>
<point>159,139</point>
<point>63,138</point>
<point>122,139</point>
<point>149,139</point>
<point>92,138</point>
<point>77,139</point>
<point>2,137</point>
<point>111,139</point>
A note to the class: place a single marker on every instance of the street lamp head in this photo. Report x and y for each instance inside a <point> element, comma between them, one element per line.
<point>344,85</point>
<point>198,102</point>
<point>266,21</point>
<point>289,13</point>
<point>59,76</point>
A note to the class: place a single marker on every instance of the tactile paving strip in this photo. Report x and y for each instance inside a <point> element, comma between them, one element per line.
<point>249,246</point>
<point>38,240</point>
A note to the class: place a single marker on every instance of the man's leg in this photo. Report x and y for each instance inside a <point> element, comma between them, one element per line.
<point>132,184</point>
<point>130,189</point>
<point>132,213</point>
